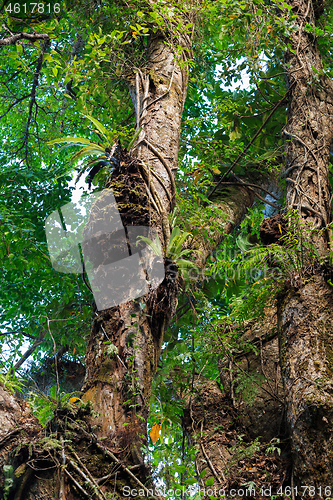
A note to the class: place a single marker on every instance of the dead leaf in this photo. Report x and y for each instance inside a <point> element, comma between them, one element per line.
<point>155,432</point>
<point>74,400</point>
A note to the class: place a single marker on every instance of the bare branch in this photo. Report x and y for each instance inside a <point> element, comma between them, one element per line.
<point>32,37</point>
<point>14,104</point>
<point>28,353</point>
<point>33,95</point>
<point>250,143</point>
<point>18,331</point>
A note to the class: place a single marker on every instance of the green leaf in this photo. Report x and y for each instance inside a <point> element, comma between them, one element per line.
<point>73,141</point>
<point>98,125</point>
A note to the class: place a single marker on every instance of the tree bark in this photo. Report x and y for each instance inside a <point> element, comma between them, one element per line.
<point>144,188</point>
<point>305,308</point>
<point>216,418</point>
<point>309,130</point>
<point>306,329</point>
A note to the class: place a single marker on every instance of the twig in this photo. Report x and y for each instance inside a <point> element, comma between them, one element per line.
<point>14,431</point>
<point>225,463</point>
<point>77,484</point>
<point>62,473</point>
<point>12,40</point>
<point>28,353</point>
<point>19,331</point>
<point>111,455</point>
<point>251,141</point>
<point>145,171</point>
<point>162,184</point>
<point>232,384</point>
<point>301,142</point>
<point>55,357</point>
<point>162,160</point>
<point>14,104</point>
<point>292,485</point>
<point>88,473</point>
<point>262,367</point>
<point>318,170</point>
<point>145,98</point>
<point>108,452</point>
<point>241,183</point>
<point>208,460</point>
<point>87,477</point>
<point>278,74</point>
<point>264,199</point>
<point>152,200</point>
<point>104,478</point>
<point>137,91</point>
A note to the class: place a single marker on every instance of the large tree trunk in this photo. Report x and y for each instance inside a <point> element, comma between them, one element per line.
<point>306,337</point>
<point>305,307</point>
<point>233,429</point>
<point>144,188</point>
<point>309,130</point>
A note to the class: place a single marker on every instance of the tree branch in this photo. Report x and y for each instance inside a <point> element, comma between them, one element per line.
<point>14,104</point>
<point>31,349</point>
<point>19,331</point>
<point>251,141</point>
<point>32,37</point>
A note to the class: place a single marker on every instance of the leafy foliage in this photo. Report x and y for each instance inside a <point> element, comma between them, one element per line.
<point>82,100</point>
<point>45,407</point>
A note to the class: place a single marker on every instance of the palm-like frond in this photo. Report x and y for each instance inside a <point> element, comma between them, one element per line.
<point>154,245</point>
<point>174,252</point>
<point>73,141</point>
<point>100,127</point>
<point>177,239</point>
<point>88,147</point>
<point>89,164</point>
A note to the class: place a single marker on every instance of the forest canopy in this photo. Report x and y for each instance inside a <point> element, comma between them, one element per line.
<point>193,139</point>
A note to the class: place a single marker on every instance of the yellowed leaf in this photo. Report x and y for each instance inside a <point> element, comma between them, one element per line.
<point>74,400</point>
<point>155,432</point>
